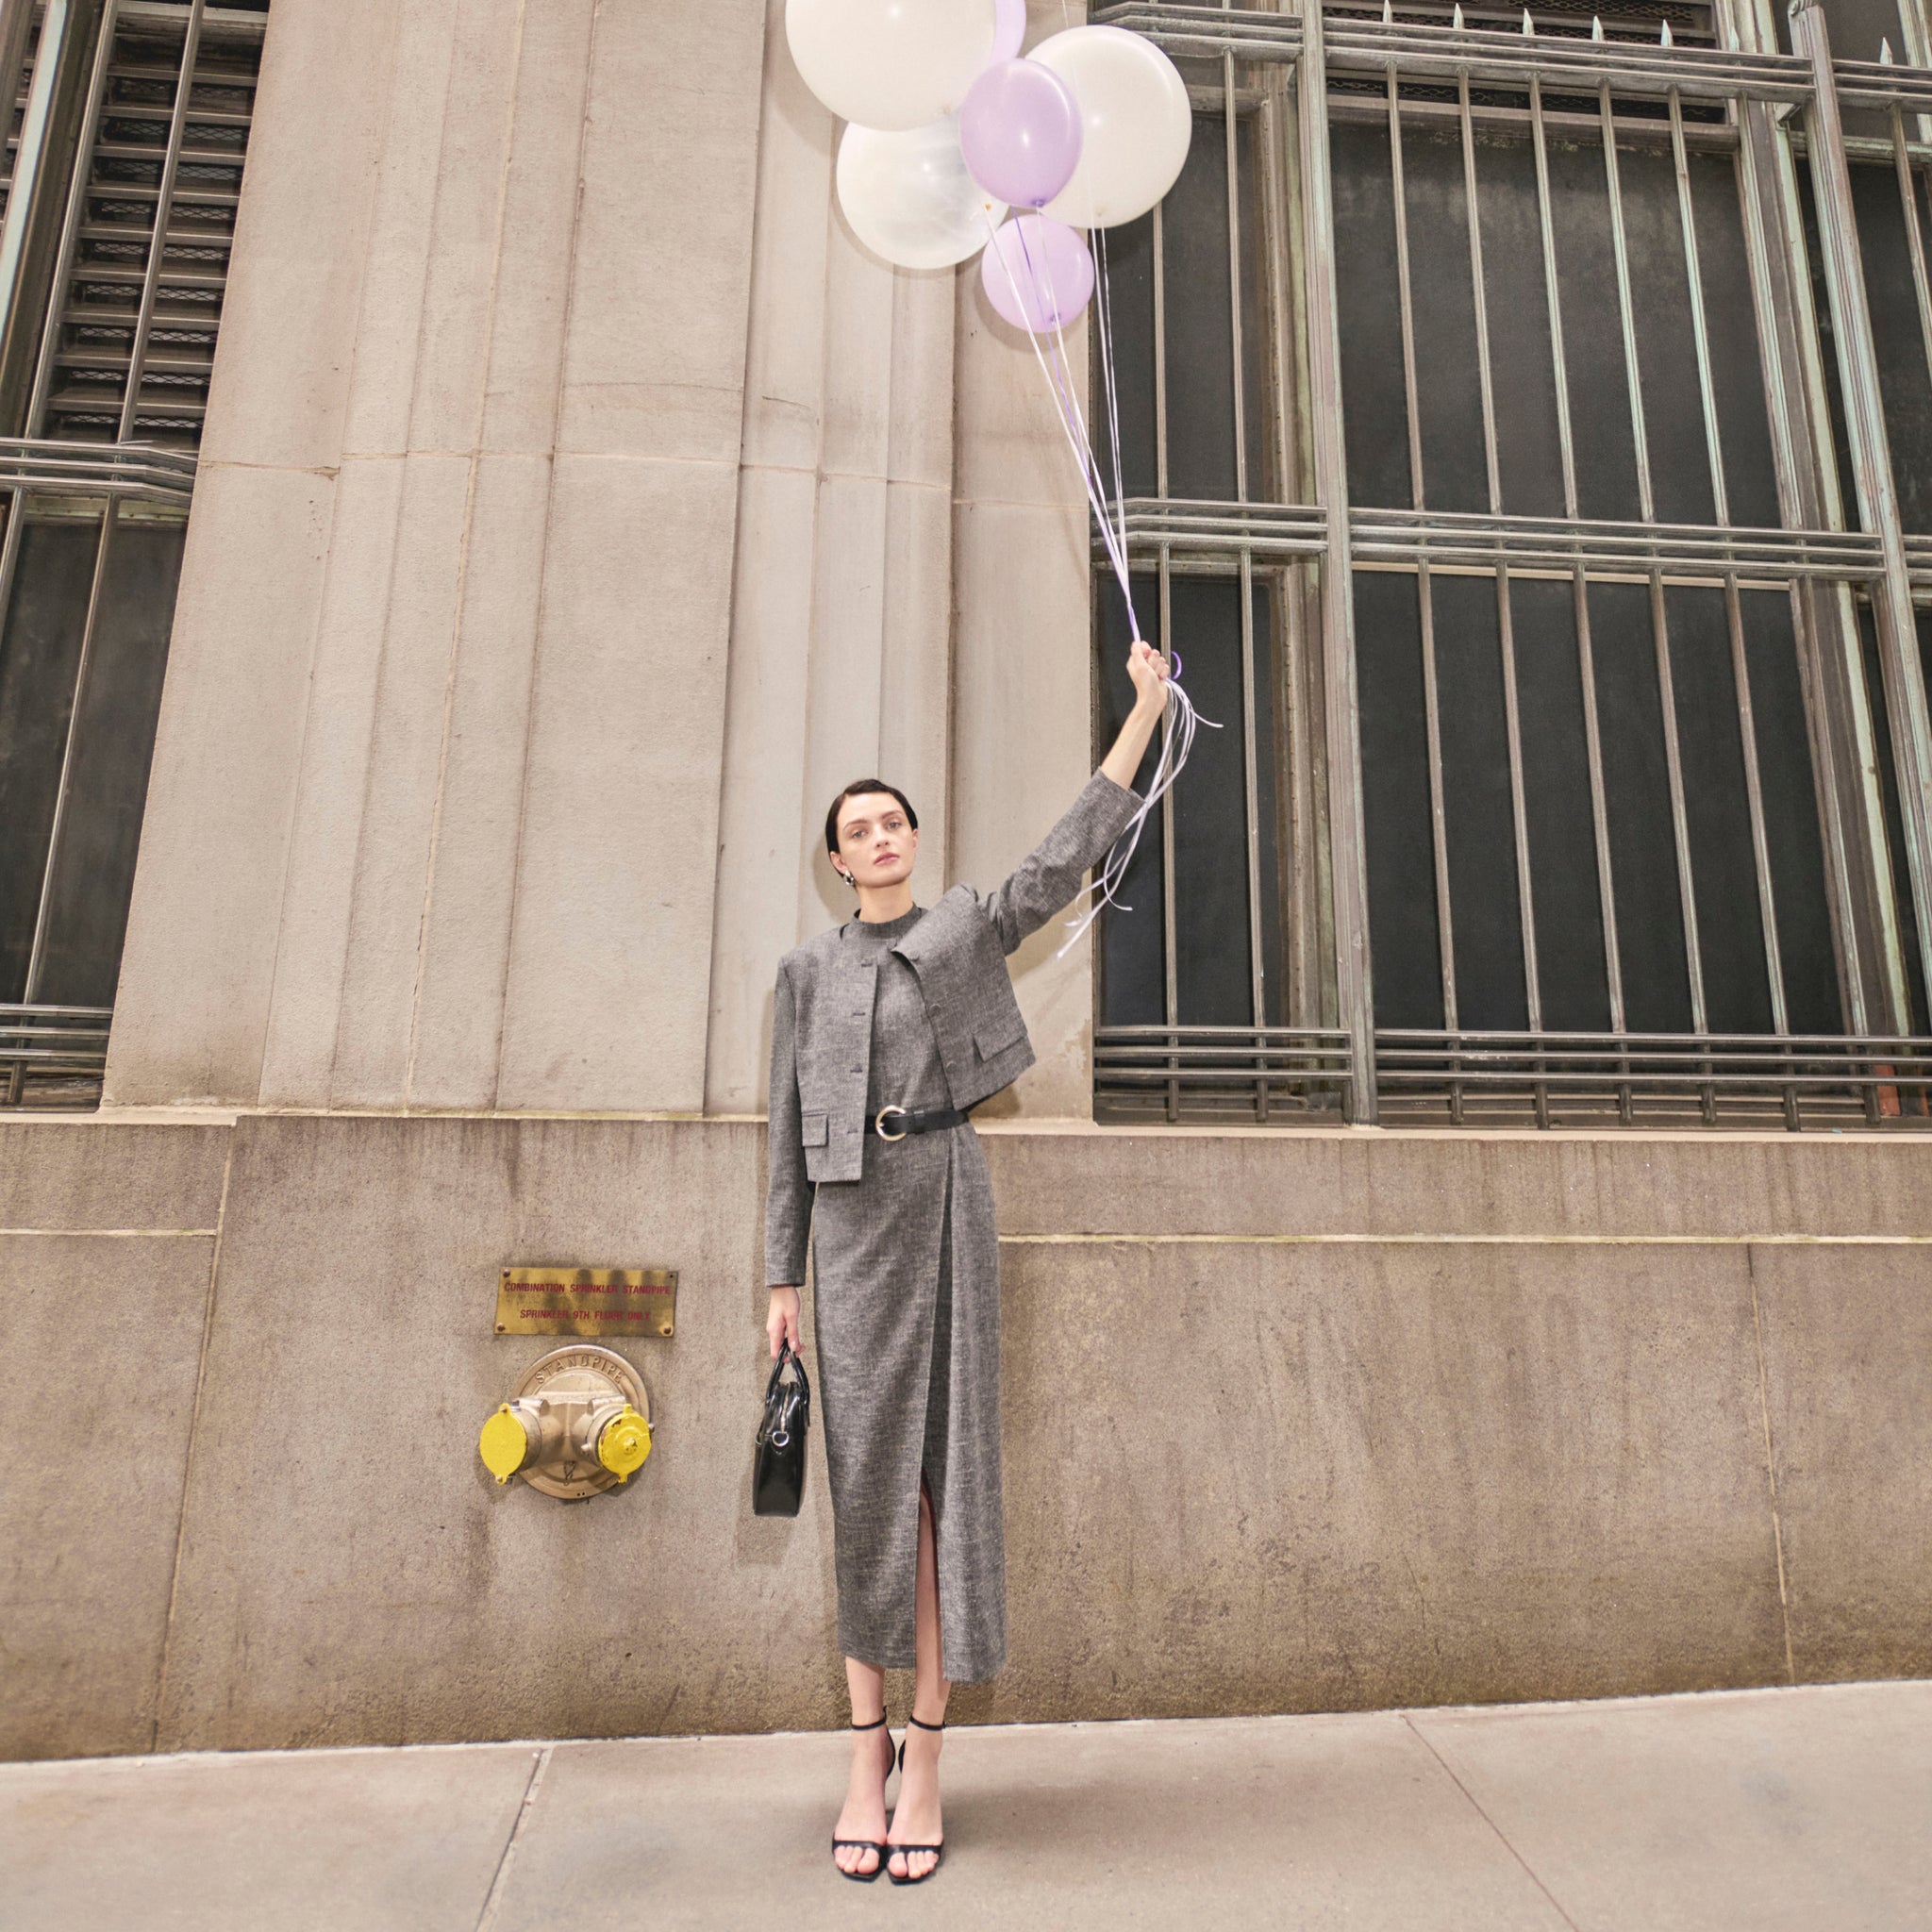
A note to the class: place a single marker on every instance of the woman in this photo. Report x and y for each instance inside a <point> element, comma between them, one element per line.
<point>883,1032</point>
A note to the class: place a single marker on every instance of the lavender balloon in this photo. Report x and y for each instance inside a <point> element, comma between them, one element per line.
<point>1009,28</point>
<point>1037,273</point>
<point>1020,131</point>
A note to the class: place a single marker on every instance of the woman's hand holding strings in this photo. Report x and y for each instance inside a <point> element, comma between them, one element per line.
<point>1150,672</point>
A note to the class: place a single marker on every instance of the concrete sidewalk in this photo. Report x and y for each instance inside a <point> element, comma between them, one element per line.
<point>1809,1808</point>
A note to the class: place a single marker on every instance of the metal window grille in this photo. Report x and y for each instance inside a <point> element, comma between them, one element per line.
<point>129,135</point>
<point>1525,416</point>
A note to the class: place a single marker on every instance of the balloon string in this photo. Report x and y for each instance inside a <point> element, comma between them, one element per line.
<point>1059,382</point>
<point>1104,307</point>
<point>1182,720</point>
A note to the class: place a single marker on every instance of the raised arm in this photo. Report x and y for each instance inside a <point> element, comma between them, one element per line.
<point>1149,670</point>
<point>787,1191</point>
<point>1050,874</point>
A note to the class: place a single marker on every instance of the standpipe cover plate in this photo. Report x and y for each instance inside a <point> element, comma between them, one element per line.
<point>624,1443</point>
<point>504,1444</point>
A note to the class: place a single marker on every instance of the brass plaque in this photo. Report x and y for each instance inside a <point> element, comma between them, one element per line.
<point>586,1301</point>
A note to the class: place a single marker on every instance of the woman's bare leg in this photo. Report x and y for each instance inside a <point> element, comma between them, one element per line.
<point>864,1816</point>
<point>916,1817</point>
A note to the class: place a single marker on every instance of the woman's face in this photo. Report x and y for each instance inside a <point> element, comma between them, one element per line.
<point>876,844</point>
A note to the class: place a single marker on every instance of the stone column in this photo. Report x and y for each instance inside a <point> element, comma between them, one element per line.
<point>910,599</point>
<point>192,1013</point>
<point>1022,680</point>
<point>433,821</point>
<point>841,610</point>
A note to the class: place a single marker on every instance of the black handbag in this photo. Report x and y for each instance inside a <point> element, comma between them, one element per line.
<point>777,1456</point>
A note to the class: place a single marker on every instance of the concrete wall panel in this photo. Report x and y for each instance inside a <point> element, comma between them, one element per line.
<point>919,441</point>
<point>531,297</point>
<point>294,287</point>
<point>365,1579</point>
<point>395,272</point>
<point>1847,1345</point>
<point>407,745</point>
<point>848,649</point>
<point>459,292</point>
<point>915,667</point>
<point>654,361</point>
<point>332,791</point>
<point>1011,447</point>
<point>765,863</point>
<point>1503,1472</point>
<point>1022,750</point>
<point>192,1010</point>
<point>785,345</point>
<point>1244,1474</point>
<point>466,922</point>
<point>73,1174</point>
<point>765,836</point>
<point>610,948</point>
<point>860,305</point>
<point>1368,1182</point>
<point>102,1339</point>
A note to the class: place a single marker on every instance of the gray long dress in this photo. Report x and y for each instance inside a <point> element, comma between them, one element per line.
<point>905,1300</point>
<point>904,1248</point>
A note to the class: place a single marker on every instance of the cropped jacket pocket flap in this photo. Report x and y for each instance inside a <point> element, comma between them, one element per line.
<point>995,1036</point>
<point>811,1129</point>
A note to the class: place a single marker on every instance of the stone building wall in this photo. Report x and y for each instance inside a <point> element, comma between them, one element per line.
<point>579,507</point>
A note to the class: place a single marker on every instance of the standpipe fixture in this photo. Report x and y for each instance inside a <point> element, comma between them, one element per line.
<point>578,1422</point>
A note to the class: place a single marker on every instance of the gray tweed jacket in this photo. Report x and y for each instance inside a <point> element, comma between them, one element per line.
<point>822,1015</point>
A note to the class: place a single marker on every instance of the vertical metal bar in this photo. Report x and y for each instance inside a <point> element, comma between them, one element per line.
<point>1700,333</point>
<point>164,208</point>
<point>1580,586</point>
<point>1646,503</point>
<point>50,334</point>
<point>1425,603</point>
<point>1864,925</point>
<point>30,157</point>
<point>37,952</point>
<point>1506,628</point>
<point>1865,430</point>
<point>70,225</point>
<point>1250,775</point>
<point>1353,984</point>
<point>16,22</point>
<point>1741,675</point>
<point>1693,960</point>
<point>11,544</point>
<point>1915,240</point>
<point>1296,871</point>
<point>1170,984</point>
<point>1485,377</point>
<point>16,18</point>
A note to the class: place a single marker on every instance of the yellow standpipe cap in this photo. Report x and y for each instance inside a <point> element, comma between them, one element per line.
<point>625,1442</point>
<point>505,1445</point>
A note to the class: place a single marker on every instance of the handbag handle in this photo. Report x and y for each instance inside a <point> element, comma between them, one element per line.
<point>785,1355</point>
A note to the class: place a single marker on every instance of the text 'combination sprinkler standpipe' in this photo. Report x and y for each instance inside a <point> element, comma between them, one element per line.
<point>577,1423</point>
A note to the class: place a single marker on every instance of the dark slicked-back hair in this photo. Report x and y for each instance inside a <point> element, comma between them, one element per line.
<point>860,788</point>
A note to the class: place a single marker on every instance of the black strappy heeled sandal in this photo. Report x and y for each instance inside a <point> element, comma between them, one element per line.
<point>938,1851</point>
<point>870,1844</point>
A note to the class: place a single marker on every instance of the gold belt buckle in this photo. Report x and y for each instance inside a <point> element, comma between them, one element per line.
<point>879,1124</point>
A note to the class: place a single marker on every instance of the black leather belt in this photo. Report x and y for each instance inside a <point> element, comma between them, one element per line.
<point>934,1122</point>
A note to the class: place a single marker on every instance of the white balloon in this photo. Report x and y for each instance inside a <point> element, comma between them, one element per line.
<point>909,198</point>
<point>894,64</point>
<point>1135,124</point>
